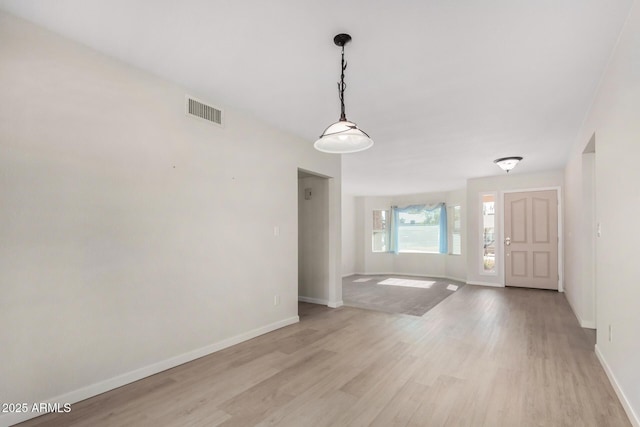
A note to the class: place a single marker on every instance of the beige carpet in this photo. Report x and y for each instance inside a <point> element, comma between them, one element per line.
<point>397,294</point>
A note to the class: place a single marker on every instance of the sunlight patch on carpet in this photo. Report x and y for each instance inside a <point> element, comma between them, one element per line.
<point>452,287</point>
<point>361,280</point>
<point>425,284</point>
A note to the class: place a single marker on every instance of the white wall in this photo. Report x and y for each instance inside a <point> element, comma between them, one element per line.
<point>348,235</point>
<point>133,237</point>
<point>456,265</point>
<point>360,240</point>
<point>613,118</point>
<point>435,265</point>
<point>580,235</point>
<point>497,184</point>
<point>313,242</point>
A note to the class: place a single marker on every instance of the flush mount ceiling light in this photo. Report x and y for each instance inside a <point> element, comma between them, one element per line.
<point>507,163</point>
<point>342,136</point>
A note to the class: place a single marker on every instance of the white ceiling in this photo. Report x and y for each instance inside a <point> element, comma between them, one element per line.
<point>443,87</point>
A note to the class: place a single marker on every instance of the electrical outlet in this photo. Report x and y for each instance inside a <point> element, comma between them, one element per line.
<point>276,300</point>
<point>610,334</point>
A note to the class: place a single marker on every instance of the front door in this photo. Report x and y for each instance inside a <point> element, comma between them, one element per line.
<point>531,239</point>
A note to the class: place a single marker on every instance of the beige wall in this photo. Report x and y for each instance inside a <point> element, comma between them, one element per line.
<point>361,245</point>
<point>580,236</point>
<point>457,264</point>
<point>134,237</point>
<point>348,235</point>
<point>614,120</point>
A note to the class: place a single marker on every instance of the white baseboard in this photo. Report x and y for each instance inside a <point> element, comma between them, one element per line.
<point>633,417</point>
<point>129,377</point>
<point>494,285</point>
<point>310,300</point>
<point>319,301</point>
<point>347,275</point>
<point>588,324</point>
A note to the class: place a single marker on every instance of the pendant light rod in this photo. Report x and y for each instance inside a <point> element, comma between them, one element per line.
<point>341,40</point>
<point>341,88</point>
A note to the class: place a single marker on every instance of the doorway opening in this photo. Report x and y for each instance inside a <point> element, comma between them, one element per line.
<point>314,263</point>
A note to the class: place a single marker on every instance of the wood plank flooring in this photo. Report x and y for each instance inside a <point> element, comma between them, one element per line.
<point>482,357</point>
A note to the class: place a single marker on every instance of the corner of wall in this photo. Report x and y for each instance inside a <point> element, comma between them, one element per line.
<point>633,417</point>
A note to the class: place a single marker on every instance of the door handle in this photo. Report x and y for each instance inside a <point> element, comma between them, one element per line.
<point>507,241</point>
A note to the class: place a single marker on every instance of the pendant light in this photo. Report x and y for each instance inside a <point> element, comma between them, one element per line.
<point>507,163</point>
<point>342,136</point>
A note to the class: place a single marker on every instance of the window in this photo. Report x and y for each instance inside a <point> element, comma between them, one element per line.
<point>419,231</point>
<point>456,226</point>
<point>380,236</point>
<point>419,228</point>
<point>488,233</point>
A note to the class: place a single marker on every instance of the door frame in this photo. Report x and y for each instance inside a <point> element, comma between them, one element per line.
<point>560,233</point>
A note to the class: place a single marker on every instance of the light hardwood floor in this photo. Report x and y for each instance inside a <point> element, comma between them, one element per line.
<point>483,357</point>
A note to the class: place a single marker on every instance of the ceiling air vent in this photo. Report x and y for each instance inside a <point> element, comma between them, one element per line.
<point>196,108</point>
